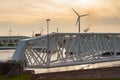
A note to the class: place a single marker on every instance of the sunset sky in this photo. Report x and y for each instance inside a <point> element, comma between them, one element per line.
<point>27,16</point>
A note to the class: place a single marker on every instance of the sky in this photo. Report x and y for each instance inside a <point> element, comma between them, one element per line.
<point>28,16</point>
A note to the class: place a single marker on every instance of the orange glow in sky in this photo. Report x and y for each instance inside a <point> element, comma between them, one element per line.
<point>27,16</point>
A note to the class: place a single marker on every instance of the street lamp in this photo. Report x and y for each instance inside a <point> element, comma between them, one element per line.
<point>47,25</point>
<point>48,59</point>
<point>47,20</point>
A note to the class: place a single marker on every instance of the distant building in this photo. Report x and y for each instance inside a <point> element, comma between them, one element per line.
<point>10,42</point>
<point>37,34</point>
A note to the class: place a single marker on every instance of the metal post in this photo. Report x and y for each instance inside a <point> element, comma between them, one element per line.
<point>48,33</point>
<point>48,55</point>
<point>10,31</point>
<point>57,30</point>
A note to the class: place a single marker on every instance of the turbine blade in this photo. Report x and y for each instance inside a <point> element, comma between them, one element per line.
<point>75,12</point>
<point>84,15</point>
<point>77,21</point>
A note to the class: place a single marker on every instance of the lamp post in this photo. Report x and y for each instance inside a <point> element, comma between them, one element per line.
<point>48,55</point>
<point>47,25</point>
<point>47,20</point>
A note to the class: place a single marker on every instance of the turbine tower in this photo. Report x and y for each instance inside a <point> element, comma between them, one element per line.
<point>78,19</point>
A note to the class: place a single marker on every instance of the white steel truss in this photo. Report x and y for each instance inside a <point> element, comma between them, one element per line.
<point>61,49</point>
<point>10,42</point>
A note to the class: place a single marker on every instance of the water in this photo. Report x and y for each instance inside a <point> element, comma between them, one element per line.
<point>7,55</point>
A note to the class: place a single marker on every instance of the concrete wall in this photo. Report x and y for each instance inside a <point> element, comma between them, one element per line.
<point>112,72</point>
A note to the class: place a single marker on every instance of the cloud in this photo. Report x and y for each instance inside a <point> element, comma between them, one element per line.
<point>108,21</point>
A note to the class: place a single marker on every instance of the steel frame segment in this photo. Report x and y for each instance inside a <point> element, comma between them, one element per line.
<point>71,49</point>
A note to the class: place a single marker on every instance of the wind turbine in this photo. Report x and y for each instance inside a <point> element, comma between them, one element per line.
<point>78,19</point>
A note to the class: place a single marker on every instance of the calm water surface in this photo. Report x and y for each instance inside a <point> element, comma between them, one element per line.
<point>6,54</point>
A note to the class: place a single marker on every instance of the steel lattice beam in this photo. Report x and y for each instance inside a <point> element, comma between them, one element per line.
<point>68,49</point>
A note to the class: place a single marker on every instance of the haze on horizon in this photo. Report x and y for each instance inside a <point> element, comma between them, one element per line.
<point>30,15</point>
